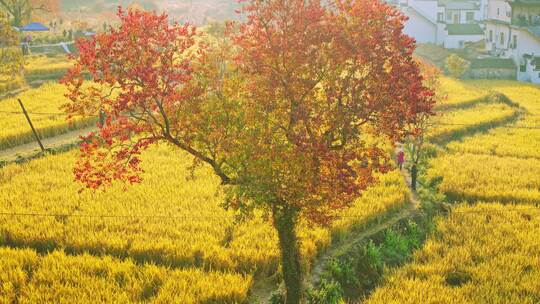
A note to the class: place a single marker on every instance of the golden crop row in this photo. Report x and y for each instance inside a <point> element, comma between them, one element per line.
<point>43,105</point>
<point>7,83</point>
<point>520,139</point>
<point>488,253</point>
<point>474,177</point>
<point>28,277</point>
<point>527,95</point>
<point>453,124</point>
<point>459,92</point>
<point>491,166</point>
<point>198,233</point>
<point>505,141</point>
<point>43,66</point>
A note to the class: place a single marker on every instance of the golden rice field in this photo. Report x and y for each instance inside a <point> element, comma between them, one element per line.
<point>168,240</point>
<point>487,253</point>
<point>454,124</point>
<point>500,163</point>
<point>520,139</point>
<point>43,105</point>
<point>190,230</point>
<point>40,66</point>
<point>486,250</point>
<point>512,142</point>
<point>523,93</point>
<point>28,277</point>
<point>473,177</point>
<point>459,92</point>
<point>8,83</point>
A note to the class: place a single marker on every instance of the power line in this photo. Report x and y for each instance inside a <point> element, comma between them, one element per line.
<point>7,214</point>
<point>537,209</point>
<point>432,124</point>
<point>221,217</point>
<point>34,113</point>
<point>477,125</point>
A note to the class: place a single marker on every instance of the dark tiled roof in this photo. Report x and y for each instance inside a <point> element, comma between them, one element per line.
<point>524,1</point>
<point>459,4</point>
<point>497,21</point>
<point>464,29</point>
<point>493,63</point>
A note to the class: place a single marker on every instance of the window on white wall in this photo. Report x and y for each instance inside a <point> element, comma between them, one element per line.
<point>502,38</point>
<point>490,35</point>
<point>514,42</point>
<point>498,11</point>
<point>470,17</point>
<point>440,17</point>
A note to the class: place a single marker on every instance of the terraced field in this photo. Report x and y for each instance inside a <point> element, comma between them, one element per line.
<point>487,253</point>
<point>487,249</point>
<point>43,105</point>
<point>169,240</point>
<point>173,220</point>
<point>495,158</point>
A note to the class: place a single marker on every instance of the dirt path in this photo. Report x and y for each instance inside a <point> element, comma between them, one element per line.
<point>32,148</point>
<point>262,289</point>
<point>354,239</point>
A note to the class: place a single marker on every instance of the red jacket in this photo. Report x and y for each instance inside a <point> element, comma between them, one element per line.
<point>401,157</point>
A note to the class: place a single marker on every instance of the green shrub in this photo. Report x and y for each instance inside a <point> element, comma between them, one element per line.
<point>456,66</point>
<point>329,292</point>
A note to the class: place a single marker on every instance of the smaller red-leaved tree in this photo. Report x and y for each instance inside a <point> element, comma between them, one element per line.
<point>416,143</point>
<point>282,116</point>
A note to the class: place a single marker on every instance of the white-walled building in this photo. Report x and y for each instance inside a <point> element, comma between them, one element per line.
<point>513,31</point>
<point>419,26</point>
<point>510,29</point>
<point>448,23</point>
<point>458,34</point>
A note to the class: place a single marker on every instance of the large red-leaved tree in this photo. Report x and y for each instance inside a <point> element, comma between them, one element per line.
<point>281,112</point>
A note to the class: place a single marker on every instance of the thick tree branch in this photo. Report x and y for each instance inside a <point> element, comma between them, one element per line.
<point>225,180</point>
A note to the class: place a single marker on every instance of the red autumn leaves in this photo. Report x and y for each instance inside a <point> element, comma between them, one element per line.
<point>283,109</point>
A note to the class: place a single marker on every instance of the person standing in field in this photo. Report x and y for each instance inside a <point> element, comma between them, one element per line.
<point>400,158</point>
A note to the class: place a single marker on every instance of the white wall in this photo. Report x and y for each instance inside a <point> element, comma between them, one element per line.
<point>441,33</point>
<point>462,19</point>
<point>419,28</point>
<point>496,31</point>
<point>530,75</point>
<point>535,77</point>
<point>499,10</point>
<point>428,8</point>
<point>527,43</point>
<point>453,42</point>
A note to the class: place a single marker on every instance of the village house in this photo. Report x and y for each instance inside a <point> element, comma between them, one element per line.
<point>513,31</point>
<point>448,23</point>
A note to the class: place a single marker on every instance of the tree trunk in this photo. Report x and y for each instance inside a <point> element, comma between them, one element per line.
<point>285,222</point>
<point>414,176</point>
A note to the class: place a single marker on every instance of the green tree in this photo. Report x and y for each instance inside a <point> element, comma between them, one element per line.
<point>11,59</point>
<point>21,11</point>
<point>416,144</point>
